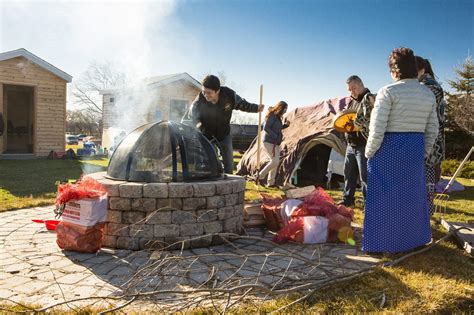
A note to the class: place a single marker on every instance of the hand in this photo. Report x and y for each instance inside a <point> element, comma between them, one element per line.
<point>261,107</point>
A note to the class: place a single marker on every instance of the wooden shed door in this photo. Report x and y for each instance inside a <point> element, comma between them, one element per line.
<point>18,102</point>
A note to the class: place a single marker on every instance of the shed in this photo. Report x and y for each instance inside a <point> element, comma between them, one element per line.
<point>33,103</point>
<point>164,97</point>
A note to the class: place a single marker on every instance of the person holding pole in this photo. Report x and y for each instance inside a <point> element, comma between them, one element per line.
<point>211,113</point>
<point>272,137</point>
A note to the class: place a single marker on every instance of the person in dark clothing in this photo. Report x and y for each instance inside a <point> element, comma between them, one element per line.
<point>211,113</point>
<point>355,162</point>
<point>272,137</point>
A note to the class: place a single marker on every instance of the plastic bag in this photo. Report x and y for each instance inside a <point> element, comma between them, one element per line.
<point>86,187</point>
<point>78,238</point>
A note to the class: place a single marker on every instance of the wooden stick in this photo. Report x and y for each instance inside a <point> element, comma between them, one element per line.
<point>259,135</point>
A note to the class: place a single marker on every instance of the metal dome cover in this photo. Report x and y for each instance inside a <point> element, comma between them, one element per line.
<point>165,151</point>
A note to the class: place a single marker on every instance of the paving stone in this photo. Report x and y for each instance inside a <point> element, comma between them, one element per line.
<point>72,278</point>
<point>158,217</point>
<point>117,203</point>
<point>179,217</point>
<point>177,242</point>
<point>194,203</point>
<point>166,230</point>
<point>206,215</point>
<point>144,204</point>
<point>191,229</point>
<point>155,190</point>
<point>203,241</point>
<point>215,202</point>
<point>204,189</point>
<point>131,190</point>
<point>180,190</point>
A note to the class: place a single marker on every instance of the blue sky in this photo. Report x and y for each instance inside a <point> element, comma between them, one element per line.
<point>302,51</point>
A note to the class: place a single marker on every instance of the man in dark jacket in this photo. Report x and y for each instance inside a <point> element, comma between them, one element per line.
<point>355,162</point>
<point>211,112</point>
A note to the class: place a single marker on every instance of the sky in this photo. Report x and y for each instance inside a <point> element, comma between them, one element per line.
<point>301,51</point>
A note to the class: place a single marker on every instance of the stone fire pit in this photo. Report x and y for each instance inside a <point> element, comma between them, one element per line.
<point>154,215</point>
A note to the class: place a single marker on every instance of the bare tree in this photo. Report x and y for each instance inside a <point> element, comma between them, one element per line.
<point>83,121</point>
<point>98,76</point>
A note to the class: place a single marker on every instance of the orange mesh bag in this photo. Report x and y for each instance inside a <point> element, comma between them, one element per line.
<point>79,239</point>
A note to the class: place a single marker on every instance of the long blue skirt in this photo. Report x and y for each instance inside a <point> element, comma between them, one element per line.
<point>396,208</point>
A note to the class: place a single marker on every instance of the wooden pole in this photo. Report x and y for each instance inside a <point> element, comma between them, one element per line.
<point>259,135</point>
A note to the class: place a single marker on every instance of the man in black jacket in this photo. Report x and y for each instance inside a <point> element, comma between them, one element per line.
<point>355,162</point>
<point>211,112</point>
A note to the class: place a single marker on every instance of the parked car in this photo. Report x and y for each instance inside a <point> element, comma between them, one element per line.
<point>72,139</point>
<point>242,136</point>
<point>81,137</point>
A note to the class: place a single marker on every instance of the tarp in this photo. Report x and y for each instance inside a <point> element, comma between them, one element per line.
<point>309,126</point>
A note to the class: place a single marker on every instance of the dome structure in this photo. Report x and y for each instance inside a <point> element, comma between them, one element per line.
<point>165,151</point>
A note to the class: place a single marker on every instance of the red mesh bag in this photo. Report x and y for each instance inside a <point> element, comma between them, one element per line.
<point>271,207</point>
<point>345,211</point>
<point>86,187</point>
<point>294,230</point>
<point>78,238</point>
<point>318,203</point>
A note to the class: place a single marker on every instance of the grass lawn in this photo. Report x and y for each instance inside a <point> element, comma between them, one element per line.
<point>440,280</point>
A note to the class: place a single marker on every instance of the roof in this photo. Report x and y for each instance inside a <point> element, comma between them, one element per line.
<point>161,80</point>
<point>22,52</point>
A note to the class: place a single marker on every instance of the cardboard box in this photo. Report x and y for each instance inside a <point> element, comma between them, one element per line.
<point>86,212</point>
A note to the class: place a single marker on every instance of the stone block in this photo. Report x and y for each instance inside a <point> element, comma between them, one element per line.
<point>114,216</point>
<point>112,187</point>
<point>116,203</point>
<point>204,189</point>
<point>169,203</point>
<point>132,217</point>
<point>238,185</point>
<point>202,241</point>
<point>144,204</point>
<point>215,202</point>
<point>127,243</point>
<point>158,217</point>
<point>206,215</point>
<point>180,217</point>
<point>224,188</point>
<point>155,190</point>
<point>177,242</point>
<point>212,227</point>
<point>232,225</point>
<point>217,240</point>
<point>180,190</point>
<point>166,230</point>
<point>194,203</point>
<point>131,190</point>
<point>114,229</point>
<point>154,243</point>
<point>231,199</point>
<point>225,213</point>
<point>191,229</point>
<point>109,241</point>
<point>238,210</point>
<point>141,230</point>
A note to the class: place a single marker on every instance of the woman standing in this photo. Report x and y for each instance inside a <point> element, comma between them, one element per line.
<point>272,137</point>
<point>433,161</point>
<point>402,130</point>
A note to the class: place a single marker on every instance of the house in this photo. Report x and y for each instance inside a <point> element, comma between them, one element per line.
<point>33,104</point>
<point>163,97</point>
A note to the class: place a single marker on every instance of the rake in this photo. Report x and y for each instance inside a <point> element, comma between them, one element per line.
<point>441,199</point>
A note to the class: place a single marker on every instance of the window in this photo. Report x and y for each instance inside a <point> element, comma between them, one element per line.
<point>177,109</point>
<point>111,100</point>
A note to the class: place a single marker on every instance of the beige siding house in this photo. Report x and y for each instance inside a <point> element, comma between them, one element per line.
<point>33,105</point>
<point>164,97</point>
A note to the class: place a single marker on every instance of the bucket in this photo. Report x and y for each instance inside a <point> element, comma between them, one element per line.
<point>50,224</point>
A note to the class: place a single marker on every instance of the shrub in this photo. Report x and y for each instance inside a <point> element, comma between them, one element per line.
<point>448,168</point>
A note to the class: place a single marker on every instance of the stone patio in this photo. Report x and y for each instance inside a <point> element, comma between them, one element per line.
<point>35,271</point>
